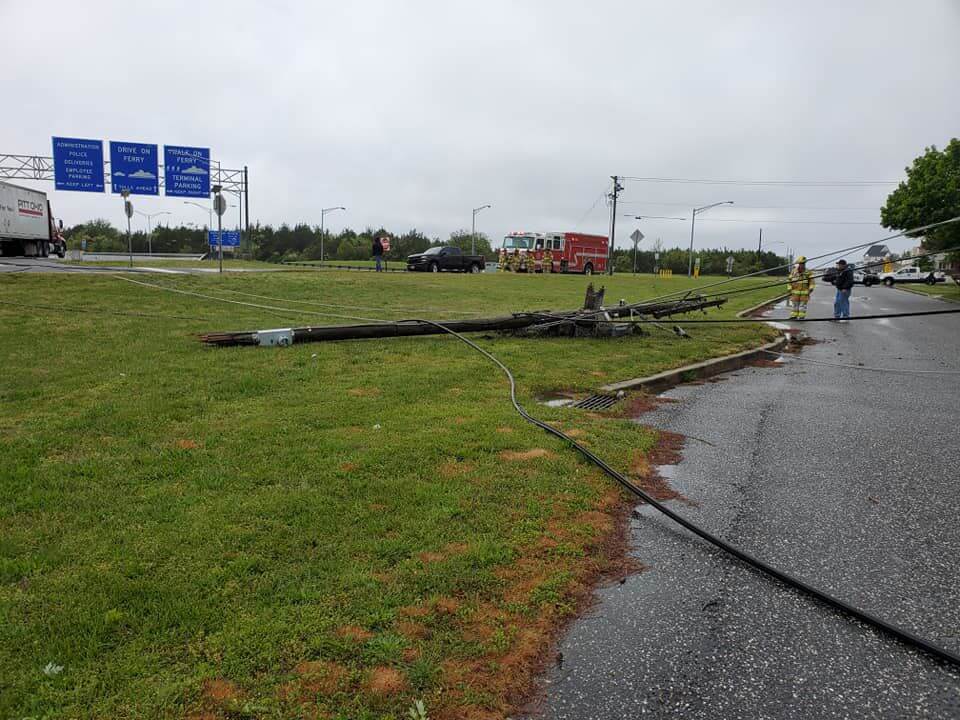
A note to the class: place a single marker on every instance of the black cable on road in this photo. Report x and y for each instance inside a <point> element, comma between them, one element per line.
<point>901,634</point>
<point>818,274</point>
<point>911,231</point>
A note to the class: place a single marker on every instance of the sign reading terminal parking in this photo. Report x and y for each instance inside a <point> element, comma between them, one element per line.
<point>186,171</point>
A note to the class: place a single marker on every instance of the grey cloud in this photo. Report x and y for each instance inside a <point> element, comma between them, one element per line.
<point>411,113</point>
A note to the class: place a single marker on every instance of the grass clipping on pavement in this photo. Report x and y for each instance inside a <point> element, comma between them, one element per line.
<point>328,530</point>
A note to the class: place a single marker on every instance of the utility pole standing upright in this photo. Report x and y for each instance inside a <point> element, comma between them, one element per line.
<point>246,209</point>
<point>617,187</point>
<point>759,246</point>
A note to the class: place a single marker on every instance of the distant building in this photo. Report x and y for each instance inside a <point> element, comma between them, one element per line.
<point>874,256</point>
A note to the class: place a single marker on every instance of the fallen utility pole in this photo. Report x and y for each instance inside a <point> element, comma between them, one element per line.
<point>408,328</point>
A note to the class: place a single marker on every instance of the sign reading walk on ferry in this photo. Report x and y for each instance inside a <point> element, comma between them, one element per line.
<point>78,164</point>
<point>186,171</point>
<point>133,167</point>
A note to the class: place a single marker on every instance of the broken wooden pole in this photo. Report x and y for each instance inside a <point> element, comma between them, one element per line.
<point>409,328</point>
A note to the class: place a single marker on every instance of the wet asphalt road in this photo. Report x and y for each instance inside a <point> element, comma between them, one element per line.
<point>846,478</point>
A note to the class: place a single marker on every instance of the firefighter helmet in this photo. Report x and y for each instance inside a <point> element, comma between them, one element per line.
<point>802,259</point>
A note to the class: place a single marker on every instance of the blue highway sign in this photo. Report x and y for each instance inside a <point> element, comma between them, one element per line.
<point>133,167</point>
<point>231,238</point>
<point>78,164</point>
<point>186,171</point>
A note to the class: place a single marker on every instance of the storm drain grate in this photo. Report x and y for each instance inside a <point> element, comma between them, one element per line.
<point>595,402</point>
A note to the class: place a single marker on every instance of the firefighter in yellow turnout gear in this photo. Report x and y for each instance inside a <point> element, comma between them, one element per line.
<point>801,285</point>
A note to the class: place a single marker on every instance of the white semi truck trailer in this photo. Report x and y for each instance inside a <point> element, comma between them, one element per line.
<point>27,227</point>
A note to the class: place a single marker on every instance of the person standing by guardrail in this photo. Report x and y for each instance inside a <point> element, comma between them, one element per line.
<point>378,252</point>
<point>844,285</point>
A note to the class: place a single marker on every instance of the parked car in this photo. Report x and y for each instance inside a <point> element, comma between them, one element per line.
<point>866,279</point>
<point>439,259</point>
<point>911,274</point>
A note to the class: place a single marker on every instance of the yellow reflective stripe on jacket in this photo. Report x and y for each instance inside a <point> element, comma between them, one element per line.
<point>801,284</point>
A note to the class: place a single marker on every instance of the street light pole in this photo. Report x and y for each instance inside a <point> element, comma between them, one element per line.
<point>473,229</point>
<point>203,207</point>
<point>693,220</point>
<point>323,214</point>
<point>646,217</point>
<point>149,217</point>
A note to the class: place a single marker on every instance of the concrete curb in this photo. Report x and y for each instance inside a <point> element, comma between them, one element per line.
<point>761,306</point>
<point>706,368</point>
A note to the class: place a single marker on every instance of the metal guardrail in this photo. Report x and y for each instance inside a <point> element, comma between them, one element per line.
<point>330,266</point>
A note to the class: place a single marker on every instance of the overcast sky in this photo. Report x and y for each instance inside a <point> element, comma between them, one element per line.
<point>412,113</point>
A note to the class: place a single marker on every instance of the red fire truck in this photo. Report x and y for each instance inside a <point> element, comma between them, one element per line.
<point>571,252</point>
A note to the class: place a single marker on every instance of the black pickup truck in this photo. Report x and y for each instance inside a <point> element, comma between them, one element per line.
<point>451,259</point>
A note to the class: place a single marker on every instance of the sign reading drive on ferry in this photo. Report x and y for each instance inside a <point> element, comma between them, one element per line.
<point>78,164</point>
<point>133,167</point>
<point>186,171</point>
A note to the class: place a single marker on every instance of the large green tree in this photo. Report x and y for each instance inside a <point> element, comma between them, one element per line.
<point>930,194</point>
<point>464,240</point>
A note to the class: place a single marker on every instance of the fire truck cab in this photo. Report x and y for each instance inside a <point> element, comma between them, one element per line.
<point>569,252</point>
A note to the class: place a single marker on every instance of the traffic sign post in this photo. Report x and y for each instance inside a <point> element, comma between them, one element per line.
<point>636,236</point>
<point>128,211</point>
<point>78,164</point>
<point>220,207</point>
<point>134,167</point>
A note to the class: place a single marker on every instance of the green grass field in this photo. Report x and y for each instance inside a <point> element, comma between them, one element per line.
<point>228,263</point>
<point>327,530</point>
<point>948,290</point>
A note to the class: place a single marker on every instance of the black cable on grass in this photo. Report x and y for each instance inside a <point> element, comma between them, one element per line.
<point>204,296</point>
<point>94,311</point>
<point>905,636</point>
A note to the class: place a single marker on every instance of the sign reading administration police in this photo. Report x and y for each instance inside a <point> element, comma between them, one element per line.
<point>231,238</point>
<point>133,167</point>
<point>78,164</point>
<point>186,171</point>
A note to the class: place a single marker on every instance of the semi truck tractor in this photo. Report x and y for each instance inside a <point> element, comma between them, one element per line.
<point>27,227</point>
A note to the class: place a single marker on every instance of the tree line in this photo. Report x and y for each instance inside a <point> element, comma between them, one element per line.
<point>302,242</point>
<point>281,244</point>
